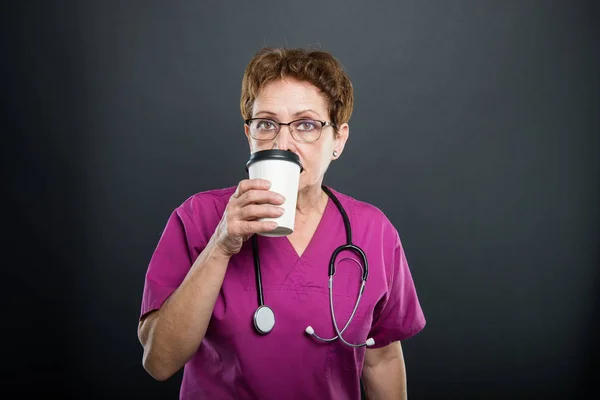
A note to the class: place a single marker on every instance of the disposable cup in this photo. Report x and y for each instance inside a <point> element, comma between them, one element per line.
<point>282,168</point>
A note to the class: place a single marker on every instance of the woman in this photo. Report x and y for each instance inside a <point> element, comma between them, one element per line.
<point>200,291</point>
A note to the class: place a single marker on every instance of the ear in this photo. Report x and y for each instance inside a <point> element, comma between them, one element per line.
<point>247,132</point>
<point>340,140</point>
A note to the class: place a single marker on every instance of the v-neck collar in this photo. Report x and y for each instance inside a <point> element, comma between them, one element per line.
<point>317,236</point>
<point>282,269</point>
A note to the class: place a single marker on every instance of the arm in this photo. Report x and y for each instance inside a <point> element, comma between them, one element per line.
<point>384,373</point>
<point>172,334</point>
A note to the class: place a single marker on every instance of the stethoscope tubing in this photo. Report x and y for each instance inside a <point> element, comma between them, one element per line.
<point>331,272</point>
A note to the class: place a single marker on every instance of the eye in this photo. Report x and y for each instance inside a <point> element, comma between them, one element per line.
<point>265,124</point>
<point>306,125</point>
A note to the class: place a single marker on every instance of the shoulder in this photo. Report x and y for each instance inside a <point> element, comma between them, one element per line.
<point>369,223</point>
<point>208,200</point>
<point>203,210</point>
<point>363,212</point>
<point>374,232</point>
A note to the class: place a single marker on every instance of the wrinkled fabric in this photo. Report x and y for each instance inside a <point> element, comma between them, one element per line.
<point>233,360</point>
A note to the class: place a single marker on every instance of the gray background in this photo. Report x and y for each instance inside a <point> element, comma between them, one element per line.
<point>476,131</point>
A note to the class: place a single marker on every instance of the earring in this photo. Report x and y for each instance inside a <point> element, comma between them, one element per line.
<point>335,153</point>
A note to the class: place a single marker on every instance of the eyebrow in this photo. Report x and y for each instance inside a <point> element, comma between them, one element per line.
<point>296,114</point>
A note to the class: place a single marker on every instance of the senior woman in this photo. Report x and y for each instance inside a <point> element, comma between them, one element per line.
<point>200,292</point>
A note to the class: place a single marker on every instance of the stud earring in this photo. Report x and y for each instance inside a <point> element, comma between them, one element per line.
<point>335,153</point>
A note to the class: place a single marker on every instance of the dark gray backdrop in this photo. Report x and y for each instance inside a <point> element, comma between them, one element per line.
<point>476,131</point>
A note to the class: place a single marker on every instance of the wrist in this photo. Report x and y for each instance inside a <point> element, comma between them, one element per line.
<point>218,251</point>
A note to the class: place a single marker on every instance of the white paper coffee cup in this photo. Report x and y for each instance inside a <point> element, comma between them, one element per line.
<point>282,168</point>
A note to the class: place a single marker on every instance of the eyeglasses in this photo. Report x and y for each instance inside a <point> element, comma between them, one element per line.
<point>302,130</point>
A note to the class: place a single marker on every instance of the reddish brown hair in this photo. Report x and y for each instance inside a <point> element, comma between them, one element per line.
<point>315,66</point>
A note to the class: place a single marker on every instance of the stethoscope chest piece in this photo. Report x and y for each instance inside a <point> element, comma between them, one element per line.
<point>264,319</point>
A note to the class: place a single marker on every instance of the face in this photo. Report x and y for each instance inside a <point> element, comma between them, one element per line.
<point>287,100</point>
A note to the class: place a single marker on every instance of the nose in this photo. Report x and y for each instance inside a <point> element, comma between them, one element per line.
<point>284,140</point>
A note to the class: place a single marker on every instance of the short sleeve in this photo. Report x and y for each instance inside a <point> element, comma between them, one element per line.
<point>168,265</point>
<point>400,315</point>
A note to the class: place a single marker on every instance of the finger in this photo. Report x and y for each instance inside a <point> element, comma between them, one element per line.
<point>237,192</point>
<point>260,197</point>
<point>248,228</point>
<point>251,184</point>
<point>255,211</point>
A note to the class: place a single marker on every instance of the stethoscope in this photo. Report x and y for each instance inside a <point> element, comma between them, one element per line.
<point>264,317</point>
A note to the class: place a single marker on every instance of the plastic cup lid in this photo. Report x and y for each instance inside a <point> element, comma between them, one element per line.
<point>274,154</point>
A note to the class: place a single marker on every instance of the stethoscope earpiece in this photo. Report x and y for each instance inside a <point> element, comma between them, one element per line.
<point>310,331</point>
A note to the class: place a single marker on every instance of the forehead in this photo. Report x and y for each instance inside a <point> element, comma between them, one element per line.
<point>287,97</point>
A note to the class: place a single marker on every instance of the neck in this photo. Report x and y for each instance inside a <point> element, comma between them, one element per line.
<point>311,200</point>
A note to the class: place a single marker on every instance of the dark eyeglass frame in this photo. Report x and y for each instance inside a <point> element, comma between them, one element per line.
<point>292,131</point>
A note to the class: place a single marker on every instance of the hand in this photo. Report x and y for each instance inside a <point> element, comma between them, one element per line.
<point>252,200</point>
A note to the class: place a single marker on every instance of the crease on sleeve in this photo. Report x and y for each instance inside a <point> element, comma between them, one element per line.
<point>154,297</point>
<point>168,265</point>
<point>401,316</point>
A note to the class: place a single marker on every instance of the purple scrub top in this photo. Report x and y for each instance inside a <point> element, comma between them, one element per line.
<point>233,360</point>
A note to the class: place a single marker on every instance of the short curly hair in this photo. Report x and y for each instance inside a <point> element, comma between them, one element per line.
<point>315,66</point>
